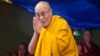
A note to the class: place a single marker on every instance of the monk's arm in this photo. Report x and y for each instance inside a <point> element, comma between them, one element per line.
<point>33,43</point>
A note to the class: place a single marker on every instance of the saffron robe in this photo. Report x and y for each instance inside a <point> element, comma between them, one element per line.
<point>56,39</point>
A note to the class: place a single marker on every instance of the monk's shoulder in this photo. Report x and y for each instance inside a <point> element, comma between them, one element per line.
<point>60,19</point>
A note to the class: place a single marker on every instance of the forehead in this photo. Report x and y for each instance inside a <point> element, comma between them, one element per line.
<point>87,32</point>
<point>41,7</point>
<point>21,46</point>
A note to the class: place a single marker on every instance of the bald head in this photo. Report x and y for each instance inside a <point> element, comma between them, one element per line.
<point>42,4</point>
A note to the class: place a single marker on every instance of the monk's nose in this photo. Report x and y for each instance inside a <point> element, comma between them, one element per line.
<point>41,17</point>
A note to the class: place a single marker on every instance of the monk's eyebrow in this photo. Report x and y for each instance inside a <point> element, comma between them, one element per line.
<point>42,12</point>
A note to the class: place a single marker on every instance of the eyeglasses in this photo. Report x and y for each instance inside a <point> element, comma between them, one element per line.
<point>43,13</point>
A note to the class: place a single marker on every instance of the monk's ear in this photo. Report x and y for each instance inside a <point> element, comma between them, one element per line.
<point>51,11</point>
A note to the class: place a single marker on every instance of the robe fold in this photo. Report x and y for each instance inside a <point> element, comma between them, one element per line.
<point>56,39</point>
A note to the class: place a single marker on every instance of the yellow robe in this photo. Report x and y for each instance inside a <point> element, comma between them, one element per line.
<point>56,40</point>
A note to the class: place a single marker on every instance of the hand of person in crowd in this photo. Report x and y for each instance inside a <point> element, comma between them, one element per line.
<point>37,26</point>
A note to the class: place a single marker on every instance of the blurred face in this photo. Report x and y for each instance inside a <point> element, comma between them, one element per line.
<point>22,49</point>
<point>87,36</point>
<point>44,14</point>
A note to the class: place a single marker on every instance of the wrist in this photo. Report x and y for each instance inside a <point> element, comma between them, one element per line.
<point>36,34</point>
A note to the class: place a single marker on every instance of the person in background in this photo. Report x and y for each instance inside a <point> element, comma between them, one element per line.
<point>8,53</point>
<point>22,50</point>
<point>88,47</point>
<point>52,35</point>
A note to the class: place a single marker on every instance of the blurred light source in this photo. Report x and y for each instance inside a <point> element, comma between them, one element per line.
<point>8,1</point>
<point>76,33</point>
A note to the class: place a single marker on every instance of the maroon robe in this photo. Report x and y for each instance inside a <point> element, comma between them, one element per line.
<point>18,54</point>
<point>94,51</point>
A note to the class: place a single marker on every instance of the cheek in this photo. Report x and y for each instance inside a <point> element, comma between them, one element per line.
<point>46,20</point>
<point>24,51</point>
<point>85,37</point>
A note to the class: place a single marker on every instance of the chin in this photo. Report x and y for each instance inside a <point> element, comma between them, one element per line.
<point>88,41</point>
<point>45,26</point>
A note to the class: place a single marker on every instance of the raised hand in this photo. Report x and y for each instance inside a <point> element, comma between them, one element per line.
<point>37,26</point>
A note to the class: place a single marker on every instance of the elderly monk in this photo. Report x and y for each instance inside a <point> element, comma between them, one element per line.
<point>52,34</point>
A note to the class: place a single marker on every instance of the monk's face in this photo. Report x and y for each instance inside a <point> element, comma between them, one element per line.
<point>22,49</point>
<point>87,36</point>
<point>44,14</point>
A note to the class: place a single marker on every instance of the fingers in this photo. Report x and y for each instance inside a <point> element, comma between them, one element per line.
<point>35,19</point>
<point>36,25</point>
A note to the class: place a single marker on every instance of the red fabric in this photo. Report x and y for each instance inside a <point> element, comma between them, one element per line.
<point>94,51</point>
<point>17,53</point>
